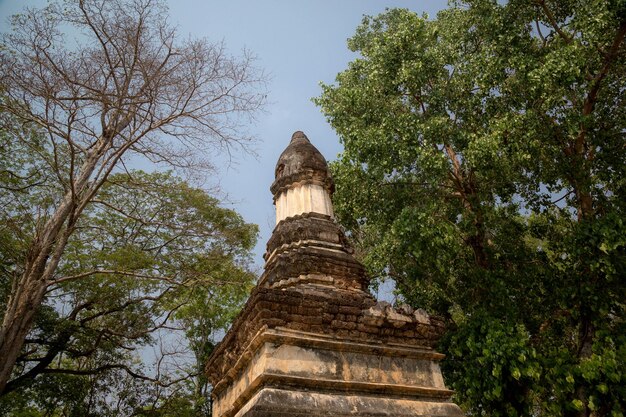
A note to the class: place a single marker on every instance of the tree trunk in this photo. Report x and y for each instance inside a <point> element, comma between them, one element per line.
<point>18,321</point>
<point>45,252</point>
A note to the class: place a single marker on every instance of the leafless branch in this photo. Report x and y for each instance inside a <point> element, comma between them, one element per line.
<point>132,89</point>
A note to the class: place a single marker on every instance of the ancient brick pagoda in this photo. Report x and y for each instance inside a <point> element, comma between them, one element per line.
<point>311,340</point>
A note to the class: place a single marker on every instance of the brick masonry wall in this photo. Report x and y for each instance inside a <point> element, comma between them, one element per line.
<point>351,315</point>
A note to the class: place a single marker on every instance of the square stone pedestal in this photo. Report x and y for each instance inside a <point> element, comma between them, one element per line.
<point>285,372</point>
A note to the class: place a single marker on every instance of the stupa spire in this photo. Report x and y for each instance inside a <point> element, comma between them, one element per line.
<point>303,183</point>
<point>307,244</point>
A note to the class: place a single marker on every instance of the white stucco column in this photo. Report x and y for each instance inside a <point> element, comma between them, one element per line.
<point>306,198</point>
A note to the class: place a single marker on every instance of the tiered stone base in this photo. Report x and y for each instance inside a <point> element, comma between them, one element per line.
<point>312,341</point>
<point>293,373</point>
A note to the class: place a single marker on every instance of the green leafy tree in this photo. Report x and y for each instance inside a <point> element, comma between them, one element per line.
<point>483,171</point>
<point>155,265</point>
<point>106,83</point>
<point>153,262</point>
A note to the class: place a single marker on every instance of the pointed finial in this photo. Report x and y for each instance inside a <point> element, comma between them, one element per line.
<point>299,135</point>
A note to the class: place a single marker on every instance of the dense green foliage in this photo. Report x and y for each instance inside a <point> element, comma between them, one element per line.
<point>154,271</point>
<point>484,171</point>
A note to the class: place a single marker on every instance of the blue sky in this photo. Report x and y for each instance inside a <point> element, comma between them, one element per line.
<point>299,43</point>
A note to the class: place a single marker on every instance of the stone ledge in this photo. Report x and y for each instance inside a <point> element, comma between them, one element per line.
<point>355,387</point>
<point>305,176</point>
<point>304,243</point>
<point>331,387</point>
<point>306,339</point>
<point>305,226</point>
<point>271,402</point>
<point>301,338</point>
<point>283,358</point>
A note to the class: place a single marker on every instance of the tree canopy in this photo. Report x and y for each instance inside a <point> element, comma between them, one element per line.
<point>98,261</point>
<point>483,171</point>
<point>155,269</point>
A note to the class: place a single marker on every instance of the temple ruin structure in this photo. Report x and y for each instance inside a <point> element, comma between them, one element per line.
<point>311,340</point>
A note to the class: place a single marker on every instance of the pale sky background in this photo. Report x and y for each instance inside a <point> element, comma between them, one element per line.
<point>299,43</point>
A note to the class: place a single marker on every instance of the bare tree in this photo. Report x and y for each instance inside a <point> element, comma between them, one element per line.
<point>125,85</point>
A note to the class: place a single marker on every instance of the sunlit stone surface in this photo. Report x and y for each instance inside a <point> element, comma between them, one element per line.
<point>311,340</point>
